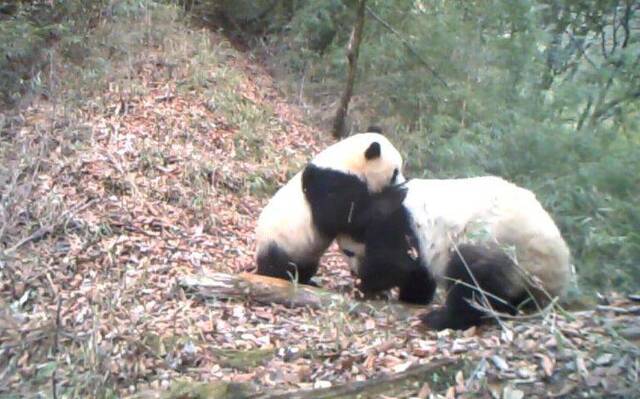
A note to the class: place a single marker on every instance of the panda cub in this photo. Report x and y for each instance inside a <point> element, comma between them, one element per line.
<point>484,225</point>
<point>302,219</point>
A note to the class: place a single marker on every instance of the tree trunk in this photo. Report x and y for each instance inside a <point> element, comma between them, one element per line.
<point>339,129</point>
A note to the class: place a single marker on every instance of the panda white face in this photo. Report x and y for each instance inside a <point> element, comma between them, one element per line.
<point>353,252</point>
<point>370,156</point>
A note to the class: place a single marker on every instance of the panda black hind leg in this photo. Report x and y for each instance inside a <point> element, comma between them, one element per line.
<point>493,270</point>
<point>275,262</point>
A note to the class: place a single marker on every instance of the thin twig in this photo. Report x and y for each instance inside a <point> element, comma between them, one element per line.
<point>632,310</point>
<point>581,50</point>
<point>408,45</point>
<point>54,390</point>
<point>543,312</point>
<point>43,231</point>
<point>476,288</point>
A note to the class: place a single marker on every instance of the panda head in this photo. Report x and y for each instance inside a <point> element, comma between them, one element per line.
<point>339,183</point>
<point>369,156</point>
<point>386,254</point>
<point>353,252</point>
<point>383,256</point>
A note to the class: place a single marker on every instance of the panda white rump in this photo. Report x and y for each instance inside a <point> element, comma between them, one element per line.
<point>491,211</point>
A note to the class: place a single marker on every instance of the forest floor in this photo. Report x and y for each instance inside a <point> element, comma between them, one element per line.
<point>123,179</point>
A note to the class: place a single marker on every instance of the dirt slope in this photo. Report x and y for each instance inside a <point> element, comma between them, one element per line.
<point>161,171</point>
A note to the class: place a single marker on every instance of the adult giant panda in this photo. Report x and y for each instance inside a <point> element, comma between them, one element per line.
<point>305,215</point>
<point>486,225</point>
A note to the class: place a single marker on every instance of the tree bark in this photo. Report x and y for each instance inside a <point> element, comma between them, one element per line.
<point>269,290</point>
<point>390,385</point>
<point>374,387</point>
<point>263,289</point>
<point>353,50</point>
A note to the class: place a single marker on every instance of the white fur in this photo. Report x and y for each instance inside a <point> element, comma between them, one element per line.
<point>348,156</point>
<point>487,210</point>
<point>286,219</point>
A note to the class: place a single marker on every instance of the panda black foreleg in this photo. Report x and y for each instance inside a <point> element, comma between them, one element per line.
<point>419,286</point>
<point>491,269</point>
<point>275,262</point>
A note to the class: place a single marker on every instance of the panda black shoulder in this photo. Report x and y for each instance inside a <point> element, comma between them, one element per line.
<point>333,197</point>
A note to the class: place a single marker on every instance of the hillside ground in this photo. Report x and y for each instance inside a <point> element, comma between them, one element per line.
<point>150,159</point>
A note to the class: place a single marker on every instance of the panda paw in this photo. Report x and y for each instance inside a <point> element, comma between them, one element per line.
<point>435,320</point>
<point>443,318</point>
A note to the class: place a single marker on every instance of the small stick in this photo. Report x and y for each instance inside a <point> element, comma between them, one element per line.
<point>54,390</point>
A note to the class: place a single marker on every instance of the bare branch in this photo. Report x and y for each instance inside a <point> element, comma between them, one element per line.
<point>581,50</point>
<point>406,43</point>
<point>56,333</point>
<point>43,231</point>
<point>605,108</point>
<point>270,290</point>
<point>615,29</point>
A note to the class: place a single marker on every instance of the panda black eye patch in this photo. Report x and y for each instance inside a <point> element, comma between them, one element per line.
<point>348,253</point>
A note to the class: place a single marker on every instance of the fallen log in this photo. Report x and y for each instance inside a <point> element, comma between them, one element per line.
<point>263,289</point>
<point>398,384</point>
<point>269,290</point>
<point>391,385</point>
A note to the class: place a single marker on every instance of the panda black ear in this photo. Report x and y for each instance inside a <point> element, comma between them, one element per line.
<point>308,176</point>
<point>373,151</point>
<point>387,201</point>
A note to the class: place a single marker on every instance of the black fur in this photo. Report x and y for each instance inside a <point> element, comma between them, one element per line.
<point>491,269</point>
<point>388,241</point>
<point>335,198</point>
<point>388,238</point>
<point>419,286</point>
<point>373,151</point>
<point>274,262</point>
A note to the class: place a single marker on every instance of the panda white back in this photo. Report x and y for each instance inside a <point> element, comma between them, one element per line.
<point>481,232</point>
<point>489,210</point>
<point>286,219</point>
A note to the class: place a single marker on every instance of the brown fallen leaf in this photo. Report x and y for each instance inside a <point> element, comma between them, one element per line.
<point>451,393</point>
<point>460,382</point>
<point>581,366</point>
<point>547,364</point>
<point>425,391</point>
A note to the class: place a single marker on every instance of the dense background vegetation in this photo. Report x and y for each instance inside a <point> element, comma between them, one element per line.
<point>544,93</point>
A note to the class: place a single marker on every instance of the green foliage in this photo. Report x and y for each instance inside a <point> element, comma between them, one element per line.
<point>542,92</point>
<point>28,30</point>
<point>20,57</point>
